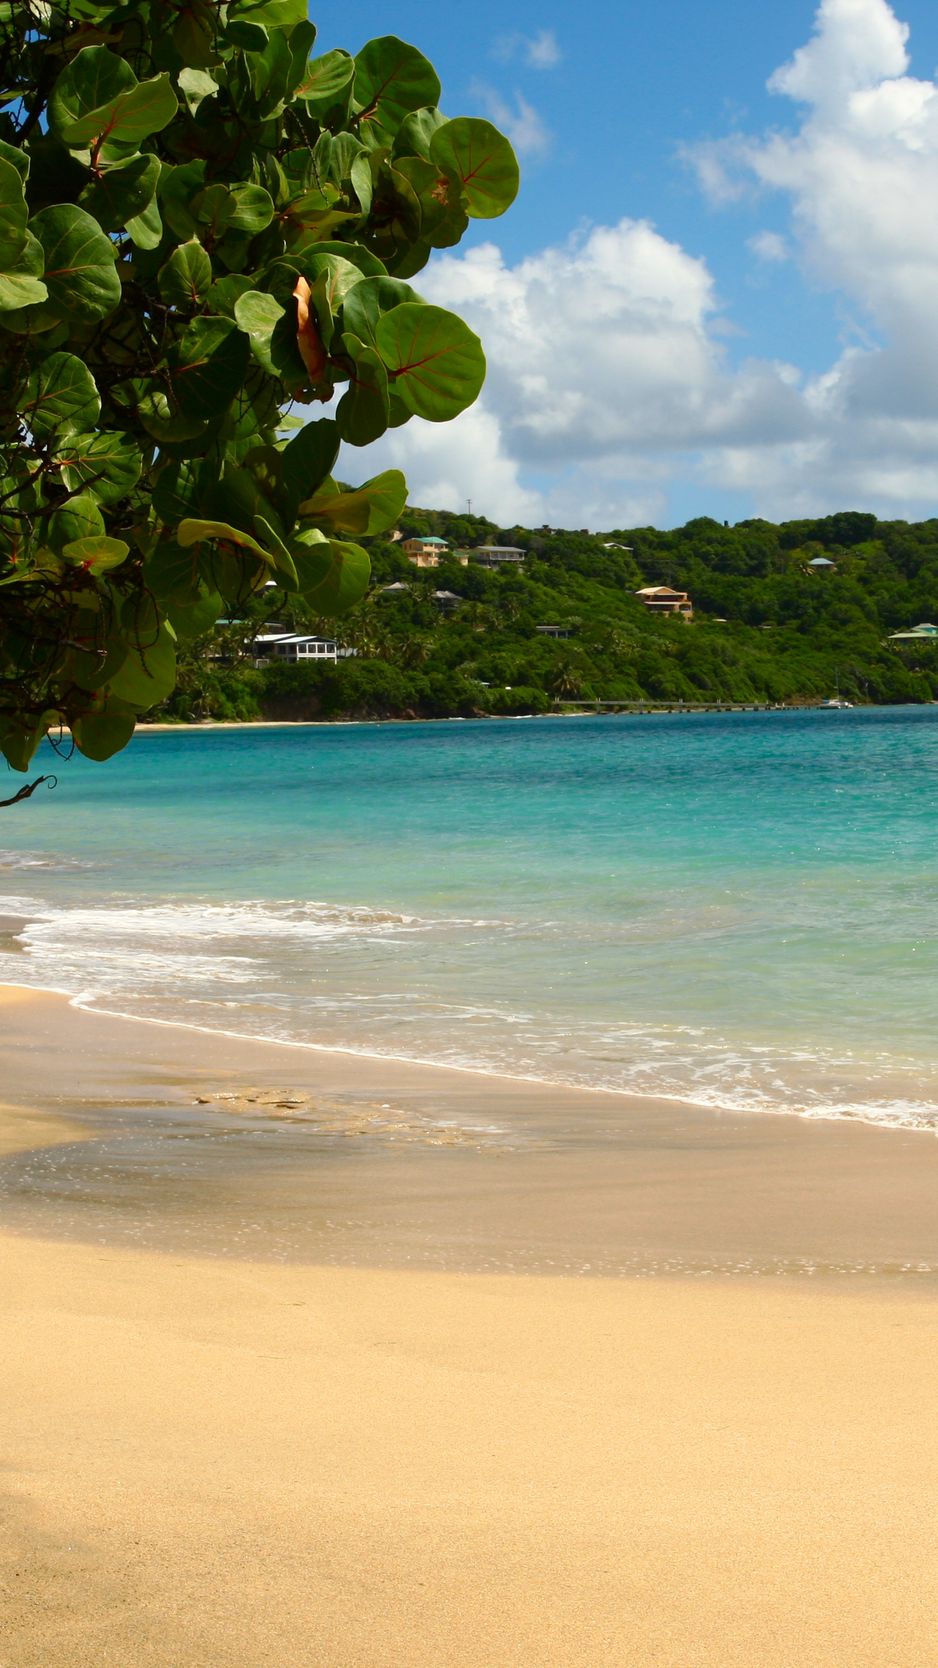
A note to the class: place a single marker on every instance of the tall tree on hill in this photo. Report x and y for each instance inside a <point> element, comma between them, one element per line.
<point>203,225</point>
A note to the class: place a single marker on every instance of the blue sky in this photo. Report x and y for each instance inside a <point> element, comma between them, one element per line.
<point>756,265</point>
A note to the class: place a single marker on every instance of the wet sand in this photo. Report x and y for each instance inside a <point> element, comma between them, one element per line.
<point>220,1451</point>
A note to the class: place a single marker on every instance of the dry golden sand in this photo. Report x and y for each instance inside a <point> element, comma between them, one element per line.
<point>214,1463</point>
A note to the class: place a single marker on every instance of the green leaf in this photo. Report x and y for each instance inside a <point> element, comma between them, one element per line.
<point>309,458</point>
<point>370,509</point>
<point>258,315</point>
<point>98,104</point>
<point>192,619</point>
<point>191,531</point>
<point>391,80</point>
<point>250,209</point>
<point>326,78</point>
<point>273,14</point>
<point>146,229</point>
<point>363,413</point>
<point>368,301</point>
<point>483,162</point>
<point>87,85</point>
<point>122,191</point>
<point>18,290</point>
<point>108,463</point>
<point>416,132</point>
<point>148,673</point>
<point>208,366</point>
<point>14,214</point>
<point>99,735</point>
<point>434,361</point>
<point>61,397</point>
<point>80,273</point>
<point>95,553</point>
<point>184,280</point>
<point>332,576</point>
<point>79,518</point>
<point>196,86</point>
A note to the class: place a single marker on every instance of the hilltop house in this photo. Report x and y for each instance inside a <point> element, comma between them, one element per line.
<point>660,599</point>
<point>294,646</point>
<point>498,555</point>
<point>924,633</point>
<point>425,553</point>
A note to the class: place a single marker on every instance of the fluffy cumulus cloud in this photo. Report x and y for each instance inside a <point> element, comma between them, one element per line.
<point>610,372</point>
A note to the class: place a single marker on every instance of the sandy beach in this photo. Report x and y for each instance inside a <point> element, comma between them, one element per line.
<point>226,1451</point>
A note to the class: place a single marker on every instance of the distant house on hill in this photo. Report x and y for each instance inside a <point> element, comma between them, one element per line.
<point>924,633</point>
<point>555,630</point>
<point>498,556</point>
<point>820,564</point>
<point>660,599</point>
<point>425,553</point>
<point>294,646</point>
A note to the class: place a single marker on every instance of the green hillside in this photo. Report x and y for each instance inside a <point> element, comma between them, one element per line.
<point>766,627</point>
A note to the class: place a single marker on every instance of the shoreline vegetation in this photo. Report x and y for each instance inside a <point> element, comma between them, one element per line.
<point>388,1462</point>
<point>783,616</point>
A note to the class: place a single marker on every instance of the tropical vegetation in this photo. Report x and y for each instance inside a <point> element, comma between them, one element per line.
<point>203,226</point>
<point>768,627</point>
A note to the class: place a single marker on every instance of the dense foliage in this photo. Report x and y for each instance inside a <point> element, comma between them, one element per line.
<point>767,627</point>
<point>201,224</point>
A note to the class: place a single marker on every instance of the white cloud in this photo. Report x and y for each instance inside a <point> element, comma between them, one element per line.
<point>539,51</point>
<point>523,125</point>
<point>769,246</point>
<point>609,368</point>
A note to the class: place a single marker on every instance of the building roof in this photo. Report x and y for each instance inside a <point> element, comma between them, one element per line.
<point>659,591</point>
<point>500,550</point>
<point>821,562</point>
<point>426,538</point>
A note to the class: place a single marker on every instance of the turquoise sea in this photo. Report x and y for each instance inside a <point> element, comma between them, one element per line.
<point>736,910</point>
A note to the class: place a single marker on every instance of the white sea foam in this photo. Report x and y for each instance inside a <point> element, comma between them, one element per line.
<point>381,984</point>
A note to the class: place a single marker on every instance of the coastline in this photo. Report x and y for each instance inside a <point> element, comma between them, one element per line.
<point>228,1453</point>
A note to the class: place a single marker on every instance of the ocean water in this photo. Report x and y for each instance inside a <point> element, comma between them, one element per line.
<point>735,910</point>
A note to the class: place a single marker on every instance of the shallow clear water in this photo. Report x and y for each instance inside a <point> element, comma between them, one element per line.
<point>732,909</point>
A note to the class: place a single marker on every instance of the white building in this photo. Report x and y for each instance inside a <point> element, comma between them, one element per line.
<point>295,647</point>
<point>498,555</point>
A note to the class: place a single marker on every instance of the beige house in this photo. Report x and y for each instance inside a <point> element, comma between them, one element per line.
<point>425,553</point>
<point>660,599</point>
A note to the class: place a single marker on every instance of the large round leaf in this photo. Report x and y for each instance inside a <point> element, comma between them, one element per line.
<point>78,518</point>
<point>99,735</point>
<point>483,162</point>
<point>370,509</point>
<point>96,553</point>
<point>61,397</point>
<point>364,411</point>
<point>332,576</point>
<point>148,673</point>
<point>434,361</point>
<point>87,85</point>
<point>365,304</point>
<point>80,273</point>
<point>326,78</point>
<point>122,192</point>
<point>108,464</point>
<point>208,367</point>
<point>391,79</point>
<point>13,213</point>
<point>258,315</point>
<point>185,278</point>
<point>98,104</point>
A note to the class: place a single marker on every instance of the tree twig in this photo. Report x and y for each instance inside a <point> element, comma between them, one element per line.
<point>29,789</point>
